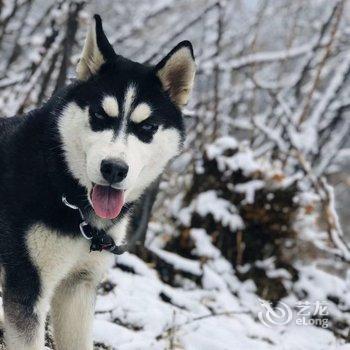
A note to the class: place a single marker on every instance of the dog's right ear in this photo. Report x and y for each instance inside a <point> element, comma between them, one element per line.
<point>97,50</point>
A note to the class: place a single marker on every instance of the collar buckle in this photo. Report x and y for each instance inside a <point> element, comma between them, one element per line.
<point>83,226</point>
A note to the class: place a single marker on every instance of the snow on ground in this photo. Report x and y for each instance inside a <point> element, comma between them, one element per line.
<point>139,311</point>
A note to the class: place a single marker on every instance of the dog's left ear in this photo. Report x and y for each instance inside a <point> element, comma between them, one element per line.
<point>97,50</point>
<point>176,72</point>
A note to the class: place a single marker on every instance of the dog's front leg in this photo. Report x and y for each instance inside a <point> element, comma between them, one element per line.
<point>25,309</point>
<point>73,310</point>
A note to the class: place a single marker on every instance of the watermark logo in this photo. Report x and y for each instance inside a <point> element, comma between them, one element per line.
<point>305,314</point>
<point>278,316</point>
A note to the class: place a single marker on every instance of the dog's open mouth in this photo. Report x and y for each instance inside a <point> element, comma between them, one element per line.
<point>107,201</point>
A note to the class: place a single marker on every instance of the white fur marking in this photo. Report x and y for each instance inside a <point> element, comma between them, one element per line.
<point>129,99</point>
<point>110,106</point>
<point>148,160</point>
<point>141,113</point>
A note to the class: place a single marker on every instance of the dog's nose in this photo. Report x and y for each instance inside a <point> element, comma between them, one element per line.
<point>114,170</point>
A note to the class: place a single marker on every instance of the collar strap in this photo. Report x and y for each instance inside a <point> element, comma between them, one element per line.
<point>100,240</point>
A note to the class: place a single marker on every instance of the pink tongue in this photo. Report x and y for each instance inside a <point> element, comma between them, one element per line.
<point>107,201</point>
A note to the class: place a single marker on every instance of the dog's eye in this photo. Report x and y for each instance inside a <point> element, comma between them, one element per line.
<point>98,115</point>
<point>148,127</point>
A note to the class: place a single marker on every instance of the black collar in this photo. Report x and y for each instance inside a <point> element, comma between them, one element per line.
<point>100,240</point>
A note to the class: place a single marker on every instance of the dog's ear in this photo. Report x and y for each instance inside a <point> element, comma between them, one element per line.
<point>97,50</point>
<point>176,72</point>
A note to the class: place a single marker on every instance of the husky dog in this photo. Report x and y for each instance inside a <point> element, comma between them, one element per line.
<point>98,144</point>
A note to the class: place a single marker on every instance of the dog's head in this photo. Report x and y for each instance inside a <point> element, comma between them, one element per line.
<point>123,121</point>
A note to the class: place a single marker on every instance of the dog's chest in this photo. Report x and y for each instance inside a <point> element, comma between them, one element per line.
<point>56,256</point>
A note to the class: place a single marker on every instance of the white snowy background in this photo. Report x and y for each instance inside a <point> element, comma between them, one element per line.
<point>255,210</point>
